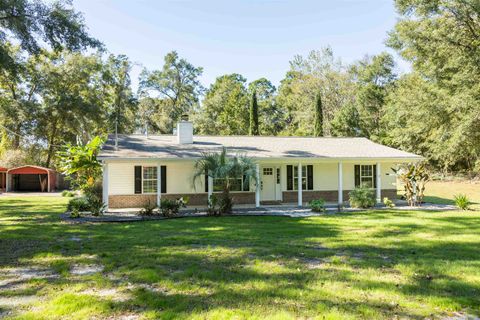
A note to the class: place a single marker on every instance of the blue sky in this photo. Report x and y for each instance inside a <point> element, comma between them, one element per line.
<point>253,38</point>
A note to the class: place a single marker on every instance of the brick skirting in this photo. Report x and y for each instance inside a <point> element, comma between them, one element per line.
<point>194,199</point>
<point>200,199</point>
<point>328,195</point>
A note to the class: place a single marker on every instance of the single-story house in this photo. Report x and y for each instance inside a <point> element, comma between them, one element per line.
<point>136,167</point>
<point>30,179</point>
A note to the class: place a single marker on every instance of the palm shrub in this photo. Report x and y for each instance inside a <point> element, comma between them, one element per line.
<point>148,209</point>
<point>362,198</point>
<point>461,201</point>
<point>80,163</point>
<point>225,168</point>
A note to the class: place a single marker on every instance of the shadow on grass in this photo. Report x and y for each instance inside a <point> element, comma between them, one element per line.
<point>240,262</point>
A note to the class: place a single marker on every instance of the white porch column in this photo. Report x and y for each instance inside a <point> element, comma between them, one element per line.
<point>48,181</point>
<point>105,185</point>
<point>299,181</point>
<point>210,186</point>
<point>159,184</point>
<point>340,183</point>
<point>379,183</point>
<point>257,187</point>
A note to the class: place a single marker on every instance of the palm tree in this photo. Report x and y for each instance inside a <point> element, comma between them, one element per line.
<point>218,165</point>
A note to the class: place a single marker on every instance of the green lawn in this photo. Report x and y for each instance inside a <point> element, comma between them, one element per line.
<point>364,265</point>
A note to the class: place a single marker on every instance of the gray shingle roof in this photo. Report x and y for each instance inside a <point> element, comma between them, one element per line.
<point>165,146</point>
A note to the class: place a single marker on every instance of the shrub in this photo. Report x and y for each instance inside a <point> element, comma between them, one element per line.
<point>148,209</point>
<point>96,205</point>
<point>462,202</point>
<point>76,205</point>
<point>79,203</point>
<point>68,193</point>
<point>170,208</point>
<point>317,205</point>
<point>388,203</point>
<point>225,204</point>
<point>212,209</point>
<point>362,198</point>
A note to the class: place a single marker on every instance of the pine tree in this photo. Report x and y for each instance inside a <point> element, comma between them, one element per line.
<point>253,130</point>
<point>318,131</point>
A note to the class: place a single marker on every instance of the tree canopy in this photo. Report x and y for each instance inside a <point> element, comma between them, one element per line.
<point>53,92</point>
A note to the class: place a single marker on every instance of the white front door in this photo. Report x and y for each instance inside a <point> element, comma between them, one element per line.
<point>268,184</point>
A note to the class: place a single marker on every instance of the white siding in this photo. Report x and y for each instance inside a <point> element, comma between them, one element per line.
<point>179,178</point>
<point>325,176</point>
<point>121,178</point>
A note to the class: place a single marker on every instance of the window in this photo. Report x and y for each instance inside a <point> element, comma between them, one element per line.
<point>149,179</point>
<point>267,171</point>
<point>235,184</point>
<point>307,177</point>
<point>365,176</point>
<point>278,175</point>
<point>295,178</point>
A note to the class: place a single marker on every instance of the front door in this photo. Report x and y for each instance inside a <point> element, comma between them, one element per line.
<point>268,184</point>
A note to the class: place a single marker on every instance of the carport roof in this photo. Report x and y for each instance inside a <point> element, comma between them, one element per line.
<point>29,170</point>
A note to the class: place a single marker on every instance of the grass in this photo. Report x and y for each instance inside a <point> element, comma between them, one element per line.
<point>376,264</point>
<point>444,191</point>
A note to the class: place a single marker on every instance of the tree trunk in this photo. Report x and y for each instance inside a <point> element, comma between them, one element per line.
<point>51,146</point>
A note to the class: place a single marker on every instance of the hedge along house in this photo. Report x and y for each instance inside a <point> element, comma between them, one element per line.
<point>289,169</point>
<point>31,179</point>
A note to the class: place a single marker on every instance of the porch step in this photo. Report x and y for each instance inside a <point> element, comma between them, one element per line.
<point>270,202</point>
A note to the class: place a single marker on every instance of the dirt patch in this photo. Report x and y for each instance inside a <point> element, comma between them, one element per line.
<point>85,269</point>
<point>108,293</point>
<point>14,278</point>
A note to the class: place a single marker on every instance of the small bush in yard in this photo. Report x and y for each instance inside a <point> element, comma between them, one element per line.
<point>212,209</point>
<point>462,202</point>
<point>96,205</point>
<point>68,193</point>
<point>148,209</point>
<point>317,205</point>
<point>80,203</point>
<point>170,208</point>
<point>362,198</point>
<point>388,203</point>
<point>76,205</point>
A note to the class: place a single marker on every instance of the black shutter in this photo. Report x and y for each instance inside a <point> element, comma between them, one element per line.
<point>206,181</point>
<point>163,172</point>
<point>289,177</point>
<point>374,175</point>
<point>309,177</point>
<point>138,179</point>
<point>357,176</point>
<point>246,183</point>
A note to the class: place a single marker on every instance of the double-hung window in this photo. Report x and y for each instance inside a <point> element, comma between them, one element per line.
<point>365,176</point>
<point>236,184</point>
<point>149,176</point>
<point>306,178</point>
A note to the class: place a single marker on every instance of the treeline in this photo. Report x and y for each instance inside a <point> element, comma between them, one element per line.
<point>51,97</point>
